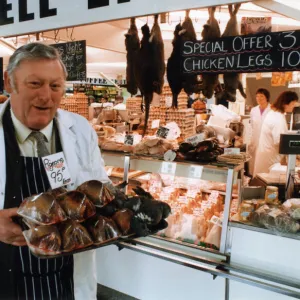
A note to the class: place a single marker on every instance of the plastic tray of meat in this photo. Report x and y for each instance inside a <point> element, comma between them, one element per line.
<point>60,223</point>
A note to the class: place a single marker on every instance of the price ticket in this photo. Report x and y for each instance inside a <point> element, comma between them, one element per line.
<point>57,170</point>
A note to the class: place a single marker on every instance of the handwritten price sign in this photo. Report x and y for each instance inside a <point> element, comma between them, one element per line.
<point>57,170</point>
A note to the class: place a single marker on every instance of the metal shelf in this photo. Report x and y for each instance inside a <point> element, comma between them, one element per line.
<point>213,172</point>
<point>295,236</point>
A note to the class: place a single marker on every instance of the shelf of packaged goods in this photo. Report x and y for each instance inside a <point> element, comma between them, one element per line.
<point>212,172</point>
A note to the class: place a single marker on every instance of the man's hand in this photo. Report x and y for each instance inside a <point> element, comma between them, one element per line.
<point>10,232</point>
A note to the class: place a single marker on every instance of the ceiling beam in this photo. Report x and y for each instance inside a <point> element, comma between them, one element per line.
<point>280,8</point>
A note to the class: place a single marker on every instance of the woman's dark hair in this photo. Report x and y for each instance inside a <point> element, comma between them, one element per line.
<point>265,92</point>
<point>284,98</point>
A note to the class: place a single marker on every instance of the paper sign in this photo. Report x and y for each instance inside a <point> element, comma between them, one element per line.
<point>168,100</point>
<point>162,132</point>
<point>109,171</point>
<point>232,151</point>
<point>169,155</point>
<point>198,211</point>
<point>183,199</point>
<point>57,170</point>
<point>195,139</point>
<point>128,139</point>
<point>155,124</point>
<point>213,197</point>
<point>215,220</point>
<point>195,171</point>
<point>168,168</point>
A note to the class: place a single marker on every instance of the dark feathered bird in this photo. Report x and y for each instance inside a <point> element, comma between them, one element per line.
<point>157,44</point>
<point>232,81</point>
<point>150,67</point>
<point>174,75</point>
<point>190,82</point>
<point>132,43</point>
<point>151,211</point>
<point>210,31</point>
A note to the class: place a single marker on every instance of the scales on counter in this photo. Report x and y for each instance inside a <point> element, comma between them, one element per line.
<point>290,145</point>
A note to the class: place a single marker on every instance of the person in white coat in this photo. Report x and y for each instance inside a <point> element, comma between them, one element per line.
<point>35,79</point>
<point>273,126</point>
<point>257,116</point>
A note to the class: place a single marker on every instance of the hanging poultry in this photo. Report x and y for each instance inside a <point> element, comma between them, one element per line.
<point>190,82</point>
<point>232,80</point>
<point>174,74</point>
<point>132,43</point>
<point>211,30</point>
<point>150,65</point>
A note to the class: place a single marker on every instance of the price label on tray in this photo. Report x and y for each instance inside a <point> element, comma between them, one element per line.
<point>155,124</point>
<point>213,197</point>
<point>168,168</point>
<point>215,220</point>
<point>129,138</point>
<point>170,155</point>
<point>163,196</point>
<point>162,132</point>
<point>232,151</point>
<point>183,199</point>
<point>198,211</point>
<point>109,171</point>
<point>195,171</point>
<point>57,170</point>
<point>195,139</point>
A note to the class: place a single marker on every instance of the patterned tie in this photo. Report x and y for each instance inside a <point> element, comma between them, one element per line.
<point>41,145</point>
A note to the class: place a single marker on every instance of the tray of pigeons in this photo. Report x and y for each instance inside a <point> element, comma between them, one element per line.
<point>96,214</point>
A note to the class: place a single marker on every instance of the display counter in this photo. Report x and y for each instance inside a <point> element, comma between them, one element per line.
<point>250,263</point>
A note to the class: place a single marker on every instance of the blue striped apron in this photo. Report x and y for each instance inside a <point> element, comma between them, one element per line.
<point>40,278</point>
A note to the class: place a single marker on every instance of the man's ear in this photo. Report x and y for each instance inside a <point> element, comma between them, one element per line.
<point>7,83</point>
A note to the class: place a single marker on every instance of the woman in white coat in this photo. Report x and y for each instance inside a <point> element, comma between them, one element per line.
<point>273,126</point>
<point>257,116</point>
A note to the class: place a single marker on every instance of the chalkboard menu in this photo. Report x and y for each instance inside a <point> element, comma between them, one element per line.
<point>74,57</point>
<point>1,74</point>
<point>264,52</point>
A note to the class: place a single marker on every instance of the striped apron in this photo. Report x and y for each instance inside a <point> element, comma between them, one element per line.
<point>40,278</point>
<point>22,275</point>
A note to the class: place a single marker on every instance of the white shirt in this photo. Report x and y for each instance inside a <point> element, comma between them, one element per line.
<point>268,149</point>
<point>28,145</point>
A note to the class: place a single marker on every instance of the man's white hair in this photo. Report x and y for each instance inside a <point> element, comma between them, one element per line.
<point>32,51</point>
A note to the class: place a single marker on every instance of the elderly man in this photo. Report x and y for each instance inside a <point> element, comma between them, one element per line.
<point>32,127</point>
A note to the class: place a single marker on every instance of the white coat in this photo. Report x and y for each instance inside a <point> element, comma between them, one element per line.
<point>80,146</point>
<point>256,121</point>
<point>268,149</point>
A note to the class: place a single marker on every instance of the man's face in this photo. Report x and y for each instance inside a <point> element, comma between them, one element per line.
<point>39,87</point>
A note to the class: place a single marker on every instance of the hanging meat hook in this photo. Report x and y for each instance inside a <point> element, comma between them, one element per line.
<point>55,36</point>
<point>70,37</point>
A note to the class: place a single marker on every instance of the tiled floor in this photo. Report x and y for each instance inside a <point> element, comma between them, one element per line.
<point>105,293</point>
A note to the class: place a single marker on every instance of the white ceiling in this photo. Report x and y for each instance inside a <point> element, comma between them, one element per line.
<point>106,43</point>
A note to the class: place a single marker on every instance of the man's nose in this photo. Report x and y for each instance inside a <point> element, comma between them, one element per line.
<point>45,92</point>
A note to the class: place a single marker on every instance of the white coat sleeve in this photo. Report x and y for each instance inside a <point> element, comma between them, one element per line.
<point>280,126</point>
<point>251,129</point>
<point>97,161</point>
<point>85,266</point>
